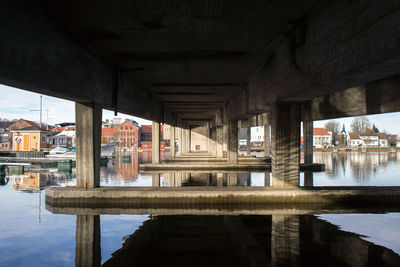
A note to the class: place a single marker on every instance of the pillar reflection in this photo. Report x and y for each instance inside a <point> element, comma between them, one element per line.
<point>87,250</point>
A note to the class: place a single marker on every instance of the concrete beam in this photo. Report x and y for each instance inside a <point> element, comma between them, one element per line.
<point>381,96</point>
<point>88,145</point>
<point>38,56</point>
<point>334,47</point>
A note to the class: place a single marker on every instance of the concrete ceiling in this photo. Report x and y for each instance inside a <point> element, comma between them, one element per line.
<point>194,56</point>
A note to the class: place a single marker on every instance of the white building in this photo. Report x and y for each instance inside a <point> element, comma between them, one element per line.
<point>65,138</point>
<point>322,138</point>
<point>367,139</point>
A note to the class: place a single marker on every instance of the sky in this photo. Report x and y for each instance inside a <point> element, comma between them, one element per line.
<point>16,104</point>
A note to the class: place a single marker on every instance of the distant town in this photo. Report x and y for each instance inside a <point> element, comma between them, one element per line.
<point>27,135</point>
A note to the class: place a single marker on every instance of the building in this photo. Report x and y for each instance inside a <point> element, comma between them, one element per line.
<point>367,139</point>
<point>127,134</point>
<point>4,139</point>
<point>321,137</point>
<point>65,138</point>
<point>108,135</point>
<point>31,138</point>
<point>146,136</point>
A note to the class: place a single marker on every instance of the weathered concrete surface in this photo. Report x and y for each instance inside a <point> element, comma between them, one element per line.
<point>215,195</point>
<point>233,143</point>
<point>88,145</point>
<point>100,208</point>
<point>308,139</point>
<point>285,129</point>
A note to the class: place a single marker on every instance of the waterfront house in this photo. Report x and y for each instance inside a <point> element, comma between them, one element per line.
<point>31,138</point>
<point>128,134</point>
<point>322,137</point>
<point>65,138</point>
<point>367,139</point>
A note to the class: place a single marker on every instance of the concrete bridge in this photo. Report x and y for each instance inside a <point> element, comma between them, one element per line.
<point>206,69</point>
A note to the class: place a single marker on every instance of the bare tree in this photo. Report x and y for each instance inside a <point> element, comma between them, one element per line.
<point>333,126</point>
<point>360,125</point>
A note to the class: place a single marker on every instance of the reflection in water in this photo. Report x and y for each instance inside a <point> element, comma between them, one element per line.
<point>31,181</point>
<point>272,240</point>
<point>358,166</point>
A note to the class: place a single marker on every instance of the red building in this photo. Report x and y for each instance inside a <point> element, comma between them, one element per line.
<point>108,135</point>
<point>146,137</point>
<point>128,134</point>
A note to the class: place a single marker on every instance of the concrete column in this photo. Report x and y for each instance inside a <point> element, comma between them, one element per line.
<point>212,141</point>
<point>267,178</point>
<point>172,141</point>
<point>88,145</point>
<point>285,126</point>
<point>220,179</point>
<point>267,141</point>
<point>248,139</point>
<point>219,142</point>
<point>178,134</point>
<point>232,179</point>
<point>233,143</point>
<point>155,179</point>
<point>225,139</point>
<point>285,240</point>
<point>308,178</point>
<point>87,250</point>
<point>308,138</point>
<point>155,151</point>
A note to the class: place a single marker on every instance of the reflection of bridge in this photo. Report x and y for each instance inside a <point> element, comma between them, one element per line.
<point>269,240</point>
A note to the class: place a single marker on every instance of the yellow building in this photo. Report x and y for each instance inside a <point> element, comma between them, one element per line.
<point>31,139</point>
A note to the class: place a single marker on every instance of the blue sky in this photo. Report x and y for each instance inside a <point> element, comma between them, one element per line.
<point>16,103</point>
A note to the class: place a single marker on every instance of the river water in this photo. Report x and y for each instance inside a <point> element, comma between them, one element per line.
<point>33,236</point>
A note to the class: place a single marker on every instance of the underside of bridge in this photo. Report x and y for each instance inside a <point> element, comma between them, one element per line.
<point>207,68</point>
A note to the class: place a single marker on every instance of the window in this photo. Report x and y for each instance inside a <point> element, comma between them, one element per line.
<point>126,127</point>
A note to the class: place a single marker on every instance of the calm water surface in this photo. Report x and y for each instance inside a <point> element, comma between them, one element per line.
<point>32,236</point>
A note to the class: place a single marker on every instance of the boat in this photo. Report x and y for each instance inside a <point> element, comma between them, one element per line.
<point>70,152</point>
<point>108,149</point>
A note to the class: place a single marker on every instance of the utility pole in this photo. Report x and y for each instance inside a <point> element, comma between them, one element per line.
<point>41,97</point>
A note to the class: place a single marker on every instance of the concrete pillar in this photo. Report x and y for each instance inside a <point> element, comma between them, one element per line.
<point>308,138</point>
<point>285,240</point>
<point>155,179</point>
<point>220,179</point>
<point>219,141</point>
<point>233,143</point>
<point>267,140</point>
<point>225,139</point>
<point>87,250</point>
<point>155,151</point>
<point>178,134</point>
<point>88,145</point>
<point>248,139</point>
<point>172,141</point>
<point>232,179</point>
<point>285,126</point>
<point>308,178</point>
<point>213,141</point>
<point>267,178</point>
